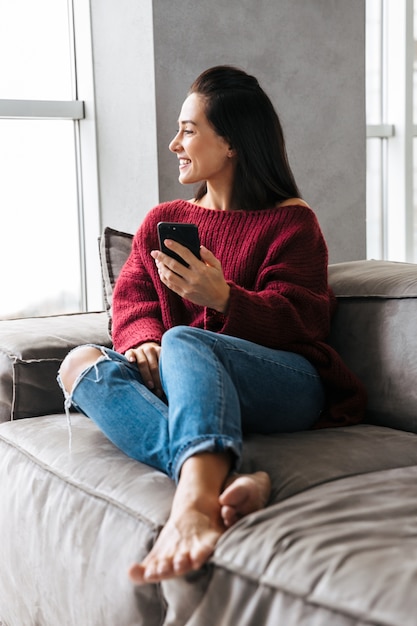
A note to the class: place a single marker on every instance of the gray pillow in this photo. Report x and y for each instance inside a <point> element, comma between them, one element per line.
<point>114,247</point>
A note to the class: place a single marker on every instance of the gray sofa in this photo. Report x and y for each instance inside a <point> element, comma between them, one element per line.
<point>337,545</point>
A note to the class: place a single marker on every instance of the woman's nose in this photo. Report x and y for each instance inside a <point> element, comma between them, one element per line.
<point>174,144</point>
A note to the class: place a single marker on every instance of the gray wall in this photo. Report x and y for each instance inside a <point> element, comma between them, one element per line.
<point>309,55</point>
<point>124,83</point>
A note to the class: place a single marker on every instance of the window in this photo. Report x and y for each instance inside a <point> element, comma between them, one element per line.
<point>391,81</point>
<point>42,253</point>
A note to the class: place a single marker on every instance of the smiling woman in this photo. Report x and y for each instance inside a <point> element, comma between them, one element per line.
<point>39,219</point>
<point>178,390</point>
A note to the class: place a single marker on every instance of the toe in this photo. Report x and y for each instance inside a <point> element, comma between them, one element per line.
<point>181,563</point>
<point>137,574</point>
<point>229,516</point>
<point>158,569</point>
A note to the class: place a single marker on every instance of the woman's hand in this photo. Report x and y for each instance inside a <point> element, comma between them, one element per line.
<point>147,358</point>
<point>202,282</point>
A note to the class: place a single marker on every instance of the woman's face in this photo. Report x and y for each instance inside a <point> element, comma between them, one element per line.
<point>203,155</point>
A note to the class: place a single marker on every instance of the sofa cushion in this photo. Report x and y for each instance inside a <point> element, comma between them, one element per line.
<point>80,518</point>
<point>301,465</point>
<point>374,330</point>
<point>300,461</point>
<point>101,511</point>
<point>31,351</point>
<point>341,554</point>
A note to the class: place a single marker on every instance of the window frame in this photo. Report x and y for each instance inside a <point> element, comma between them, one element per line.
<point>81,112</point>
<point>396,132</point>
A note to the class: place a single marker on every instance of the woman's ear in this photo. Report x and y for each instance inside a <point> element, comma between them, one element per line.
<point>231,152</point>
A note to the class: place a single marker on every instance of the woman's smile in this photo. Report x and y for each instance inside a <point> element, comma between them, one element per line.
<point>184,163</point>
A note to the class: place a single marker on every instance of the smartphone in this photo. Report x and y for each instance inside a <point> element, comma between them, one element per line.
<point>185,234</point>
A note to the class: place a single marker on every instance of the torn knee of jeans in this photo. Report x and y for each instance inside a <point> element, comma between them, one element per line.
<point>83,370</point>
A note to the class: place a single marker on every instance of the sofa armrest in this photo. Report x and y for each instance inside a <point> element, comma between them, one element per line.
<point>374,331</point>
<point>31,351</point>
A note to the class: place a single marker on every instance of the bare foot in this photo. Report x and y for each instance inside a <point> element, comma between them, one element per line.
<point>199,516</point>
<point>185,543</point>
<point>244,494</point>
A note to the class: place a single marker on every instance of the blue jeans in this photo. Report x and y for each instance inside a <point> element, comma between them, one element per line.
<point>217,388</point>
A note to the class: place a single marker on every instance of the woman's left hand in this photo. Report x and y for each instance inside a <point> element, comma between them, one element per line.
<point>202,282</point>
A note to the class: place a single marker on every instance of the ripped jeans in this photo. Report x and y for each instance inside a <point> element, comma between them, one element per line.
<point>217,387</point>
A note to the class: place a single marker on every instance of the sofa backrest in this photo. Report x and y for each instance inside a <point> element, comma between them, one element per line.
<point>375,332</point>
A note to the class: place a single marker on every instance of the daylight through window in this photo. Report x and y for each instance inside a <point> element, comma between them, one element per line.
<point>39,196</point>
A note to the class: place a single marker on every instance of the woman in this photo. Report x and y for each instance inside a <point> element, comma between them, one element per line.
<point>232,342</point>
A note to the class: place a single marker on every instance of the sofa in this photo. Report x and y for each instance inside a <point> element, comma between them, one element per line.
<point>336,545</point>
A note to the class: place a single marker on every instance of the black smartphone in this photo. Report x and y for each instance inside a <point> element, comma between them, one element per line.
<point>185,234</point>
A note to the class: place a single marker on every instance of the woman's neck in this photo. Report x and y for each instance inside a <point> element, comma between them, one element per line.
<point>220,200</point>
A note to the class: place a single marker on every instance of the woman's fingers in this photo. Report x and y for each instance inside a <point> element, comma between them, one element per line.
<point>147,359</point>
<point>202,282</point>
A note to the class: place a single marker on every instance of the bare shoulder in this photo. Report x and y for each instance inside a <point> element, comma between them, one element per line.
<point>294,202</point>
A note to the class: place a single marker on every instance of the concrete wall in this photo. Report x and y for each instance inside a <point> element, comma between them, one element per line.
<point>308,55</point>
<point>124,79</point>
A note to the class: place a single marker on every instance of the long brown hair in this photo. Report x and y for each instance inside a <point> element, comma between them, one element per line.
<point>241,112</point>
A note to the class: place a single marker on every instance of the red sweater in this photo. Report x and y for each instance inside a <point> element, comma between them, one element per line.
<point>275,262</point>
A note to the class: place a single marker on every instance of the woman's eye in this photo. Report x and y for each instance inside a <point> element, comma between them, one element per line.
<point>184,131</point>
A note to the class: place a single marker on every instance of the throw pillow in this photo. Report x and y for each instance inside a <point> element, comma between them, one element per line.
<point>114,247</point>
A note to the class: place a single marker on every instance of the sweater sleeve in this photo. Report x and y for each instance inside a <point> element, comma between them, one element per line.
<point>290,302</point>
<point>136,306</point>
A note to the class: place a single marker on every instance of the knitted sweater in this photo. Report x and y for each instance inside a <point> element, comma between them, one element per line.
<point>275,262</point>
